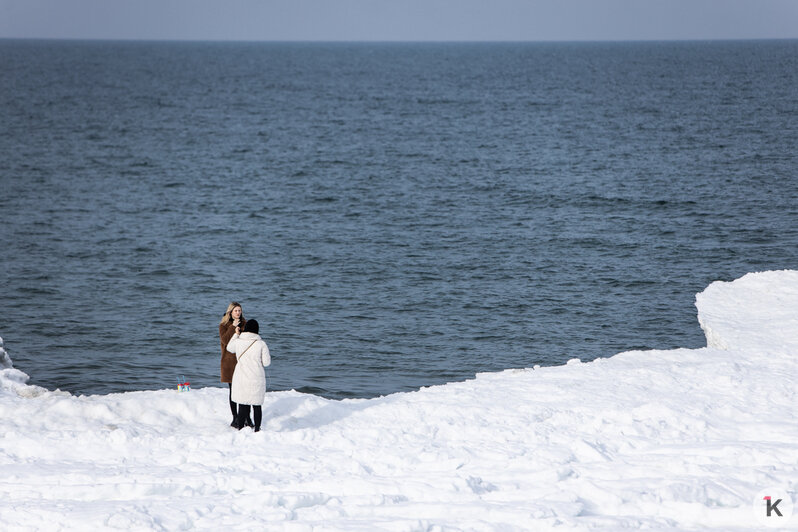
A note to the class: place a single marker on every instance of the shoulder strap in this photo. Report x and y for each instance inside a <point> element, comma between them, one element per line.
<point>247,349</point>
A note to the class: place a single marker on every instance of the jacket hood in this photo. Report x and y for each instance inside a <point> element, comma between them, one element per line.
<point>249,336</point>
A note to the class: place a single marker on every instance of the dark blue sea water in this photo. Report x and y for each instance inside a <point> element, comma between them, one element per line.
<point>394,215</point>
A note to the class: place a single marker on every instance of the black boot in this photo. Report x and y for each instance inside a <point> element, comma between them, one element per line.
<point>258,417</point>
<point>243,416</point>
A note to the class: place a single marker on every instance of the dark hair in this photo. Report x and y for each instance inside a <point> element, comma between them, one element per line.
<point>251,326</point>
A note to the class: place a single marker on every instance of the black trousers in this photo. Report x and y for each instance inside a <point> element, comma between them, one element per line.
<point>233,407</point>
<point>243,415</point>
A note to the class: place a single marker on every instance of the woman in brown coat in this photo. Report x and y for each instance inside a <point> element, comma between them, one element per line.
<point>232,323</point>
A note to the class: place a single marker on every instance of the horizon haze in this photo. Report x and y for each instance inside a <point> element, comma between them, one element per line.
<point>414,20</point>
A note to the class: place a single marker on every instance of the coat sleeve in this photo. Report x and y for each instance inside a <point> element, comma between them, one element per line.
<point>231,345</point>
<point>265,356</point>
<point>222,339</point>
<point>225,335</point>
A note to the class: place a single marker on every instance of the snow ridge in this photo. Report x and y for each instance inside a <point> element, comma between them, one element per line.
<point>669,440</point>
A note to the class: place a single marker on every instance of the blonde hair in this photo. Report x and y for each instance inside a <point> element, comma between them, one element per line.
<point>227,318</point>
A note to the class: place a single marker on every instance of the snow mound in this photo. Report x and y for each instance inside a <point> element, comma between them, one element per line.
<point>757,311</point>
<point>681,439</point>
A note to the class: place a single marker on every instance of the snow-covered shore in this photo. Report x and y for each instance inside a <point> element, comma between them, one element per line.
<point>679,439</point>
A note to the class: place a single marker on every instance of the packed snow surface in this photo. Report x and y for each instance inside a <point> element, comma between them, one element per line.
<point>679,439</point>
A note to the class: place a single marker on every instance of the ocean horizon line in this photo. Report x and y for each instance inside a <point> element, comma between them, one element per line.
<point>397,41</point>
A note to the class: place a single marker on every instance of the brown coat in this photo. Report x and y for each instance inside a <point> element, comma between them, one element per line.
<point>228,364</point>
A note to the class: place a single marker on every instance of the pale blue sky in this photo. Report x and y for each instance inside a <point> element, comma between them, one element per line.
<point>403,20</point>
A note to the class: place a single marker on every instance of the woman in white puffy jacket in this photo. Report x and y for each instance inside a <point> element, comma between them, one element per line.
<point>249,379</point>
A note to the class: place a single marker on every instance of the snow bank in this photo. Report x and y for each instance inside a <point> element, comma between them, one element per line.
<point>678,439</point>
<point>757,311</point>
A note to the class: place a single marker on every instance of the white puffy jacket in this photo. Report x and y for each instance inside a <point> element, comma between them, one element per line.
<point>249,379</point>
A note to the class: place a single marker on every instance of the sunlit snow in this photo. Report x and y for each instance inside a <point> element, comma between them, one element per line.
<point>675,439</point>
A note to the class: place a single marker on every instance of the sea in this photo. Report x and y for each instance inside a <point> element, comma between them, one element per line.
<point>394,215</point>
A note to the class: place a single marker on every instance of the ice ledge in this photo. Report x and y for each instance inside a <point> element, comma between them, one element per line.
<point>757,311</point>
